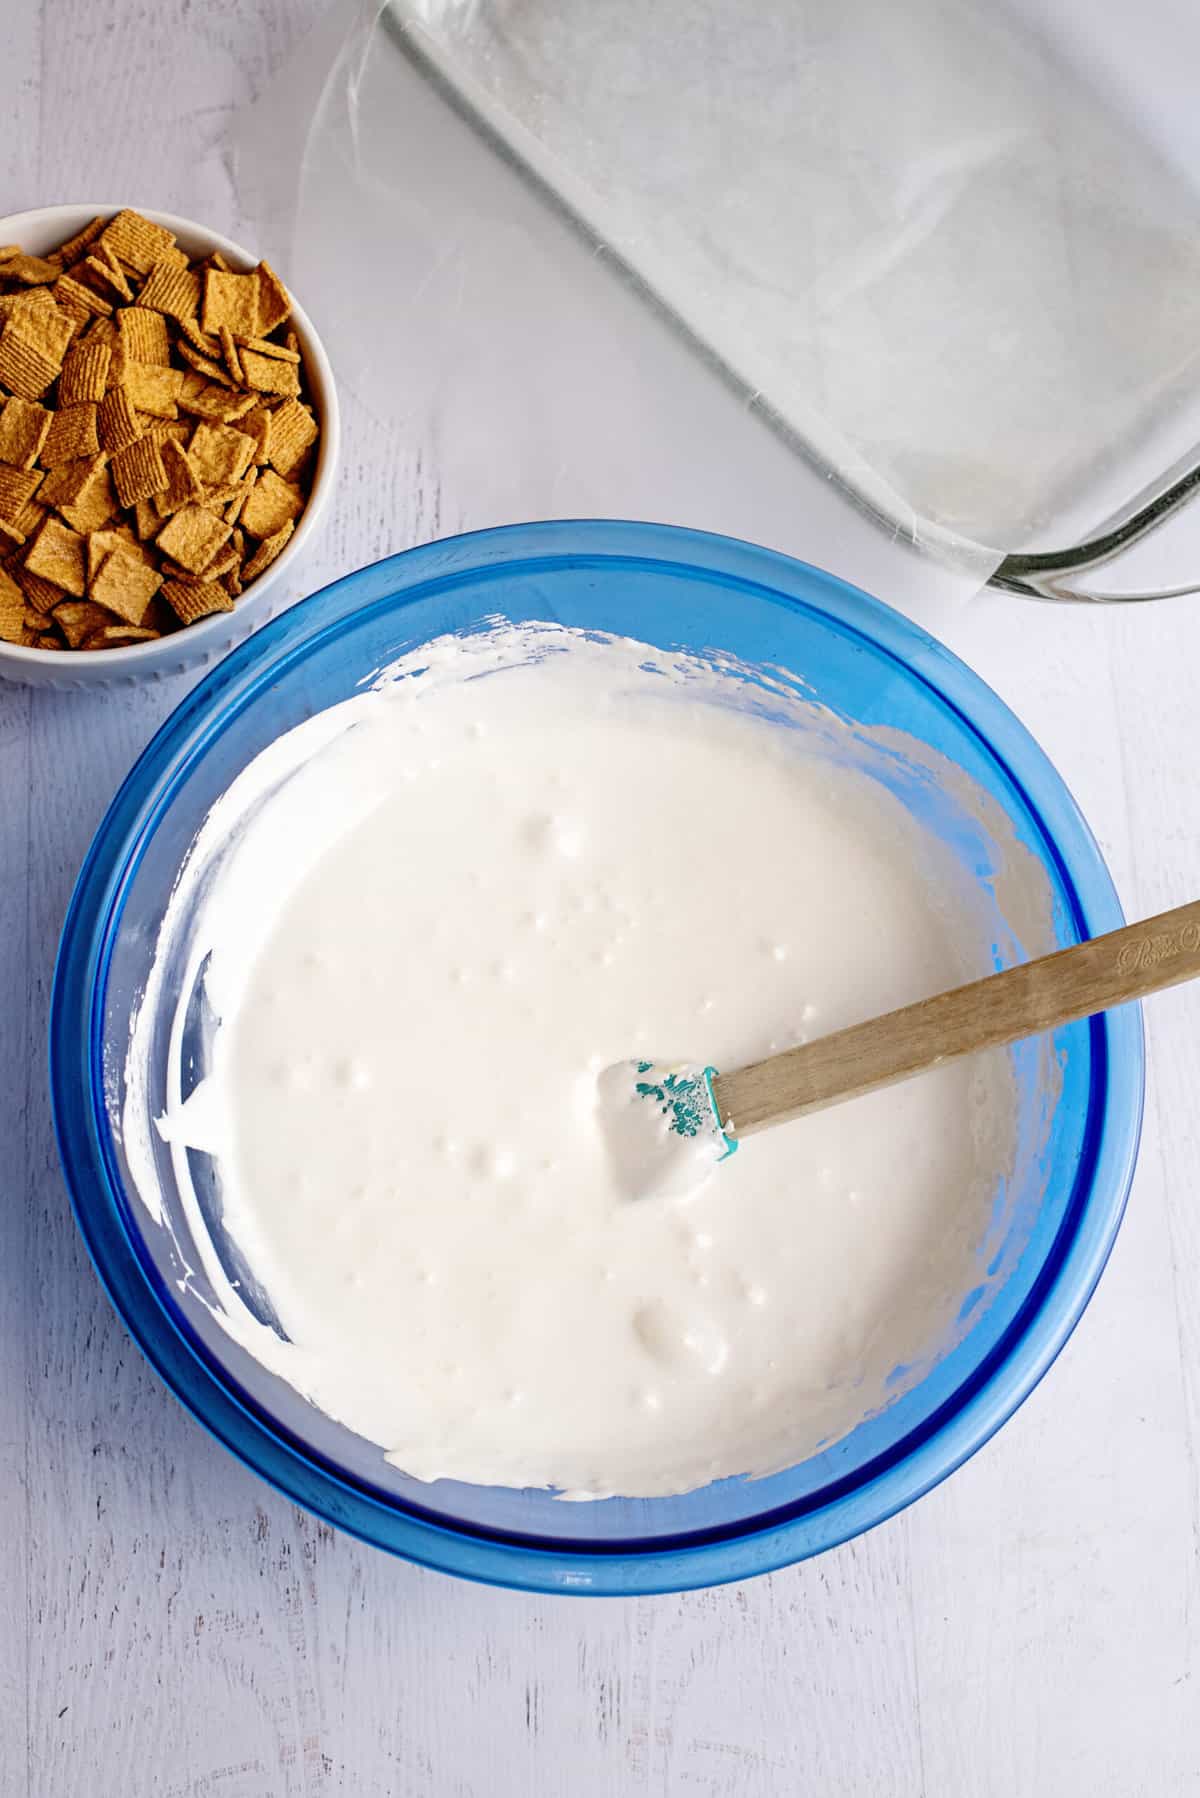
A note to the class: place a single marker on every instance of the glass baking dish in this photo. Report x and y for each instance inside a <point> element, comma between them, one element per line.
<point>945,252</point>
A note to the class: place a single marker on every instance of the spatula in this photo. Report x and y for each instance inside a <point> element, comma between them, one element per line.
<point>666,1125</point>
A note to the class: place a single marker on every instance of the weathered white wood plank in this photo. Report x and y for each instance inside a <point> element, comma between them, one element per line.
<point>20,55</point>
<point>15,1083</point>
<point>1053,1582</point>
<point>1032,1627</point>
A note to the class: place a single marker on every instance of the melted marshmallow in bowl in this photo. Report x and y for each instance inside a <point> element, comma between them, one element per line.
<point>439,912</point>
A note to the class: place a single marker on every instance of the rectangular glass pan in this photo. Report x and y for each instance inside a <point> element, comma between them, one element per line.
<point>932,246</point>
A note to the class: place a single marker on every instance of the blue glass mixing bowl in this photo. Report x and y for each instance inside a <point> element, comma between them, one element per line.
<point>671,588</point>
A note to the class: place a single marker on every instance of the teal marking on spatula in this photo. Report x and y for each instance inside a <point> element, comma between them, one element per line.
<point>731,1142</point>
<point>690,1101</point>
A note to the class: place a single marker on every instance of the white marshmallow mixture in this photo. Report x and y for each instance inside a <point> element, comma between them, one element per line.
<point>467,898</point>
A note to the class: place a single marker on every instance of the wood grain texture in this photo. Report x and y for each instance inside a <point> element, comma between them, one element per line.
<point>1037,996</point>
<point>170,1628</point>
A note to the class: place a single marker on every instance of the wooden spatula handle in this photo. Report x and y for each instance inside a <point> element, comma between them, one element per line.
<point>1039,995</point>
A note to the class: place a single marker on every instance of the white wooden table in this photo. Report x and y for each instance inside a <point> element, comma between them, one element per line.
<point>170,1627</point>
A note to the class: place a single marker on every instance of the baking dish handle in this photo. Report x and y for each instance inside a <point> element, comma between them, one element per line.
<point>1055,574</point>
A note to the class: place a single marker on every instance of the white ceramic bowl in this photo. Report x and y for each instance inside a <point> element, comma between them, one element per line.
<point>42,230</point>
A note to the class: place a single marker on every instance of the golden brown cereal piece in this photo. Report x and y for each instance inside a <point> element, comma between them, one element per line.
<point>25,300</point>
<point>136,241</point>
<point>59,554</point>
<point>267,375</point>
<point>30,271</point>
<point>120,269</point>
<point>258,424</point>
<point>217,498</point>
<point>79,302</point>
<point>78,619</point>
<point>35,621</point>
<point>193,600</point>
<point>33,299</point>
<point>84,373</point>
<point>267,551</point>
<point>125,585</point>
<point>167,430</point>
<point>212,371</point>
<point>153,389</point>
<point>173,290</point>
<point>162,428</point>
<point>183,488</point>
<point>119,425</point>
<point>23,427</point>
<point>74,247</point>
<point>30,517</point>
<point>293,428</point>
<point>138,471</point>
<point>16,486</point>
<point>143,335</point>
<point>145,519</point>
<point>192,537</point>
<point>24,370</point>
<point>107,269</point>
<point>95,502</point>
<point>46,328</point>
<point>274,301</point>
<point>118,362</point>
<point>207,342</point>
<point>103,330</point>
<point>42,595</point>
<point>245,487</point>
<point>273,503</point>
<point>119,636</point>
<point>221,564</point>
<point>229,355</point>
<point>64,484</point>
<point>9,535</point>
<point>230,300</point>
<point>265,347</point>
<point>12,608</point>
<point>72,434</point>
<point>191,385</point>
<point>237,405</point>
<point>207,400</point>
<point>102,543</point>
<point>220,454</point>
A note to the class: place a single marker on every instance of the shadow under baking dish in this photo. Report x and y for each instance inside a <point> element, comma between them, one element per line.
<point>675,589</point>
